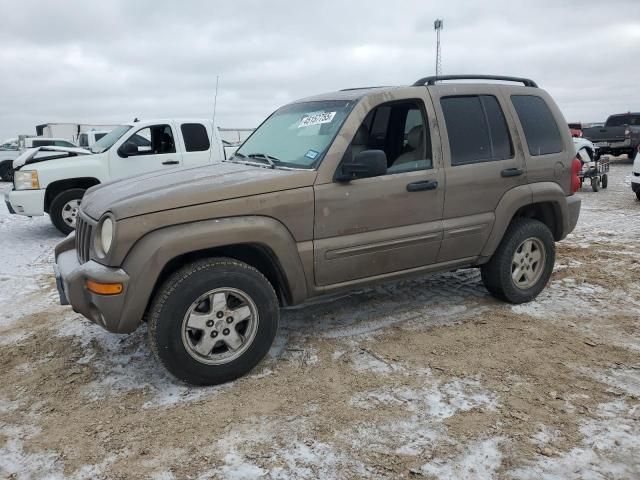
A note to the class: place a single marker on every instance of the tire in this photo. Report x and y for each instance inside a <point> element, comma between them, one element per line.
<point>638,194</point>
<point>604,180</point>
<point>59,209</point>
<point>497,274</point>
<point>178,330</point>
<point>594,184</point>
<point>6,171</point>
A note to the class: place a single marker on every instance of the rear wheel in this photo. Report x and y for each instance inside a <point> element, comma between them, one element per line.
<point>6,171</point>
<point>64,209</point>
<point>638,194</point>
<point>522,265</point>
<point>594,184</point>
<point>213,321</point>
<point>604,180</point>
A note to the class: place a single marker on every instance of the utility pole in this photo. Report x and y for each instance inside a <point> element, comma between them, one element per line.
<point>437,26</point>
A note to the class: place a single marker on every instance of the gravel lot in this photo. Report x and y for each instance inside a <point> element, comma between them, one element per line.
<point>428,378</point>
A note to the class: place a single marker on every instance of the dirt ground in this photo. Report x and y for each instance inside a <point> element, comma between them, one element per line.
<point>427,378</point>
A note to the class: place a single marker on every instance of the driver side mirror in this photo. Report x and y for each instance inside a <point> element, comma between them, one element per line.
<point>127,149</point>
<point>368,163</point>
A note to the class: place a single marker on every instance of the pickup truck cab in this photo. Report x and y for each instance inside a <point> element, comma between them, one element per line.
<point>8,155</point>
<point>330,193</point>
<point>619,135</point>
<point>56,185</point>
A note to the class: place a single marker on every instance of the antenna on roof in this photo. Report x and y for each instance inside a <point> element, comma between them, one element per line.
<point>437,26</point>
<point>215,99</point>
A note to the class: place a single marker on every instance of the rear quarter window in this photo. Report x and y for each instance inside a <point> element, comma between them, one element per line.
<point>195,137</point>
<point>540,128</point>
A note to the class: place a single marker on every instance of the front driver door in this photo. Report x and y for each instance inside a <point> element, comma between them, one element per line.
<point>375,226</point>
<point>156,150</point>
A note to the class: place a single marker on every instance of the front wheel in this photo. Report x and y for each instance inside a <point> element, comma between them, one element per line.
<point>64,209</point>
<point>604,180</point>
<point>213,321</point>
<point>522,265</point>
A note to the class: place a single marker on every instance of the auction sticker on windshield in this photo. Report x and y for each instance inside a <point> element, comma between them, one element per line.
<point>316,119</point>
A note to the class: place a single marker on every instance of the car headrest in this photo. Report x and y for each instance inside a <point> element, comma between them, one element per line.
<point>414,138</point>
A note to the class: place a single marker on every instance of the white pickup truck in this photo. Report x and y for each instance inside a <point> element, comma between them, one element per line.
<point>56,184</point>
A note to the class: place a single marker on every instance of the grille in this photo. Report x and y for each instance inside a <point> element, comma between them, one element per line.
<point>83,239</point>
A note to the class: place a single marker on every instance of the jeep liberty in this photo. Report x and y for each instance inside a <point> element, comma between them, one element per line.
<point>330,193</point>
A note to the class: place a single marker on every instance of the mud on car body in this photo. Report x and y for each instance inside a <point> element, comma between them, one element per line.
<point>330,193</point>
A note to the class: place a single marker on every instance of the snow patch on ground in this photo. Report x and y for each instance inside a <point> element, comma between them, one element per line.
<point>609,449</point>
<point>479,461</point>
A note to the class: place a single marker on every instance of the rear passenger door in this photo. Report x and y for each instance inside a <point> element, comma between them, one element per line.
<point>196,144</point>
<point>481,164</point>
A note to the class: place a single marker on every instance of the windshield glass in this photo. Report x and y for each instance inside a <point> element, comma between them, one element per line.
<point>296,135</point>
<point>106,142</point>
<point>621,120</point>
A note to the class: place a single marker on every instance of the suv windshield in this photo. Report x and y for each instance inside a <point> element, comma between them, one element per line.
<point>296,135</point>
<point>106,142</point>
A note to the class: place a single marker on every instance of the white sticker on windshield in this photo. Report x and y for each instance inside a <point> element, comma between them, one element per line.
<point>316,119</point>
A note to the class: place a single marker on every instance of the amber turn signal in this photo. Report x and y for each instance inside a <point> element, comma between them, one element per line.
<point>104,288</point>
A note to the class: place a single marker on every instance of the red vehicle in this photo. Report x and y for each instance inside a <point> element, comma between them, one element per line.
<point>575,129</point>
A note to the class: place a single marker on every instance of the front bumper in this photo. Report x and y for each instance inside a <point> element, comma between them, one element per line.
<point>25,202</point>
<point>71,278</point>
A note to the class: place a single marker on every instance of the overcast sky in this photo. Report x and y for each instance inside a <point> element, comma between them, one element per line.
<point>110,61</point>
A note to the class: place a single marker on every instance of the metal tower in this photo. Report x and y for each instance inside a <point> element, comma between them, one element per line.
<point>437,26</point>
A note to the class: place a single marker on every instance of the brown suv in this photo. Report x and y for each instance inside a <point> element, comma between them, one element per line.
<point>329,193</point>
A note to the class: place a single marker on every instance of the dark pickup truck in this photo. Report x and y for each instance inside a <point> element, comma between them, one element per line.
<point>620,134</point>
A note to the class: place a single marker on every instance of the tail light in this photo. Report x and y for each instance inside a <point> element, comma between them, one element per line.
<point>576,166</point>
<point>627,133</point>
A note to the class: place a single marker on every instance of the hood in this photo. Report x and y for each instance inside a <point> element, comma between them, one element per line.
<point>167,190</point>
<point>41,154</point>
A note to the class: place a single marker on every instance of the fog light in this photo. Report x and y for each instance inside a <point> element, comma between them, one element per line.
<point>104,288</point>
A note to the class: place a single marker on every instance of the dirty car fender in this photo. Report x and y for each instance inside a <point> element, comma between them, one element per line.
<point>146,260</point>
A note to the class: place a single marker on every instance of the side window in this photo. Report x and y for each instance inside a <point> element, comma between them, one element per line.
<point>155,140</point>
<point>476,128</point>
<point>63,143</point>
<point>42,143</point>
<point>401,130</point>
<point>540,128</point>
<point>195,137</point>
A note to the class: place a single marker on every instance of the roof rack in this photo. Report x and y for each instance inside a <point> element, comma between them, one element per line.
<point>432,80</point>
<point>362,88</point>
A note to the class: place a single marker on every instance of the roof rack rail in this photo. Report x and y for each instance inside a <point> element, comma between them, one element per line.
<point>362,88</point>
<point>433,79</point>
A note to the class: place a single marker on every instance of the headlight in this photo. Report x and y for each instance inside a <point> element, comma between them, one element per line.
<point>26,180</point>
<point>104,236</point>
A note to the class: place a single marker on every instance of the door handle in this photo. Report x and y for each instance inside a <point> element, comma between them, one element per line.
<point>170,162</point>
<point>422,185</point>
<point>511,172</point>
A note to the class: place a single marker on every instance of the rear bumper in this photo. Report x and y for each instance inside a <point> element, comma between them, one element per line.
<point>71,278</point>
<point>25,202</point>
<point>573,210</point>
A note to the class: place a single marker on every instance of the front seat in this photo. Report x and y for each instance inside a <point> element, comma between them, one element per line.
<point>415,140</point>
<point>360,141</point>
<point>166,143</point>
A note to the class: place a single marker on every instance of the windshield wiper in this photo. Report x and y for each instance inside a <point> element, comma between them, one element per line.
<point>267,158</point>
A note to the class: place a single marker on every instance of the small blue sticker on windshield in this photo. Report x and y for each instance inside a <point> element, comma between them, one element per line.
<point>312,154</point>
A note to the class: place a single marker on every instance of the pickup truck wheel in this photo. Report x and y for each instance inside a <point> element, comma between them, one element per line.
<point>64,209</point>
<point>522,265</point>
<point>213,321</point>
<point>6,171</point>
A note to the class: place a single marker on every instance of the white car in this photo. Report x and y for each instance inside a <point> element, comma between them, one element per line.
<point>56,185</point>
<point>9,155</point>
<point>635,175</point>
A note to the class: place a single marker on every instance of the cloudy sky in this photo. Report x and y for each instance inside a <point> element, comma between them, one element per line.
<point>110,61</point>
